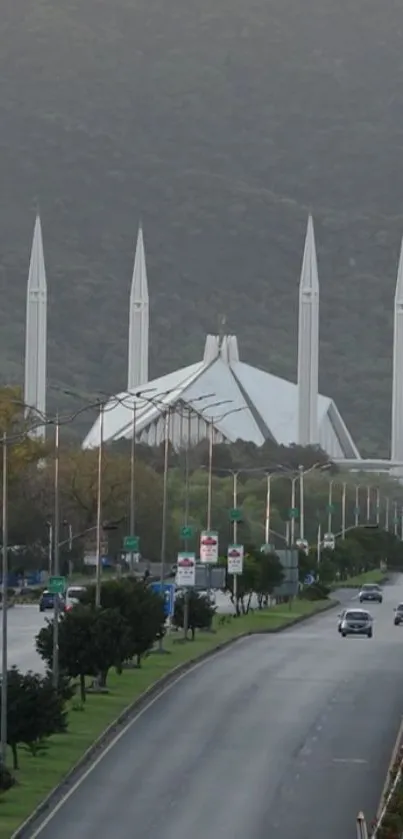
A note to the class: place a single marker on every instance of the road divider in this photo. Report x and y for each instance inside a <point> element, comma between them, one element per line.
<point>45,779</point>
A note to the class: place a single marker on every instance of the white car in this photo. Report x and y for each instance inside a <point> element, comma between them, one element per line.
<point>73,596</point>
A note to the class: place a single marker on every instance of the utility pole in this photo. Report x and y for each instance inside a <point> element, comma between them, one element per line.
<point>235,536</point>
<point>293,482</point>
<point>378,505</point>
<point>56,564</point>
<point>268,510</point>
<point>210,474</point>
<point>4,678</point>
<point>343,510</point>
<point>368,502</point>
<point>387,513</point>
<point>99,510</point>
<point>164,509</point>
<point>330,505</point>
<point>357,506</point>
<point>189,430</point>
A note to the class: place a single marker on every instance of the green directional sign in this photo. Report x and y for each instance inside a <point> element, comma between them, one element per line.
<point>235,514</point>
<point>131,544</point>
<point>57,585</point>
<point>293,513</point>
<point>187,532</point>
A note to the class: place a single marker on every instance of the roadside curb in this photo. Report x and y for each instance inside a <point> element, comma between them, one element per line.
<point>395,752</point>
<point>150,693</point>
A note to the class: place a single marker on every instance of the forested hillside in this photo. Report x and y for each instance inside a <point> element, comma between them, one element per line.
<point>221,124</point>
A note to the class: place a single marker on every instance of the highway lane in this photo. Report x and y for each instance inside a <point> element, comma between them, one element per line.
<point>284,736</point>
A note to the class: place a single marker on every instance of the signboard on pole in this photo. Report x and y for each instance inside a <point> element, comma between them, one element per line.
<point>329,541</point>
<point>186,570</point>
<point>57,585</point>
<point>235,559</point>
<point>131,544</point>
<point>209,546</point>
<point>167,590</point>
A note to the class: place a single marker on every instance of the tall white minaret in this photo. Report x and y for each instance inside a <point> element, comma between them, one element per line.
<point>308,343</point>
<point>36,331</point>
<point>397,387</point>
<point>138,320</point>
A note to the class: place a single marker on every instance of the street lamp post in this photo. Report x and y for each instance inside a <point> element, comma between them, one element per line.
<point>395,517</point>
<point>235,534</point>
<point>164,509</point>
<point>368,502</point>
<point>99,510</point>
<point>301,503</point>
<point>133,483</point>
<point>56,564</point>
<point>210,472</point>
<point>378,505</point>
<point>268,510</point>
<point>293,484</point>
<point>4,679</point>
<point>329,508</point>
<point>357,506</point>
<point>343,510</point>
<point>50,546</point>
<point>387,505</point>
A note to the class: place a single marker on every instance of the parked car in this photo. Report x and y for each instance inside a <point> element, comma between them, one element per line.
<point>47,601</point>
<point>356,622</point>
<point>371,592</point>
<point>398,615</point>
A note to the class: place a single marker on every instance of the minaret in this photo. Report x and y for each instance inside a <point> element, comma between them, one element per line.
<point>138,320</point>
<point>308,343</point>
<point>397,387</point>
<point>36,331</point>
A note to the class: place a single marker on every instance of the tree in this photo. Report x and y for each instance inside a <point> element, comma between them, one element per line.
<point>35,711</point>
<point>200,614</point>
<point>270,574</point>
<point>142,609</point>
<point>76,646</point>
<point>246,582</point>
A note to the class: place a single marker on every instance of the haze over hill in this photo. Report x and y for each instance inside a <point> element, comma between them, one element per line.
<point>221,124</point>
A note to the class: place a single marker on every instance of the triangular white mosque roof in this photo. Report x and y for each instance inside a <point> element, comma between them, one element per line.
<point>242,401</point>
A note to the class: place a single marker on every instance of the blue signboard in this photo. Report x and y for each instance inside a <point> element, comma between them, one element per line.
<point>168,590</point>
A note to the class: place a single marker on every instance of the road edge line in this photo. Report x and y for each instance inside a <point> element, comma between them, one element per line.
<point>111,734</point>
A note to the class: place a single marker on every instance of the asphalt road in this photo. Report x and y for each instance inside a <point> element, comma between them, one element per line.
<point>24,622</point>
<point>284,736</point>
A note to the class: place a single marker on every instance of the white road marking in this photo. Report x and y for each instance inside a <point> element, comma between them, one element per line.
<point>355,760</point>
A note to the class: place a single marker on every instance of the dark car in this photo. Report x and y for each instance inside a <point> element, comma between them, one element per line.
<point>398,615</point>
<point>47,601</point>
<point>372,592</point>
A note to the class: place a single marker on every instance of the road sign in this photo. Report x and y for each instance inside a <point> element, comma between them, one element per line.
<point>235,559</point>
<point>268,549</point>
<point>187,532</point>
<point>57,585</point>
<point>293,513</point>
<point>303,545</point>
<point>309,579</point>
<point>329,541</point>
<point>235,514</point>
<point>186,570</point>
<point>131,544</point>
<point>168,593</point>
<point>209,546</point>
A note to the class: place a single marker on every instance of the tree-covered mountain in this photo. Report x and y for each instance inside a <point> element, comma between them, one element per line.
<point>221,125</point>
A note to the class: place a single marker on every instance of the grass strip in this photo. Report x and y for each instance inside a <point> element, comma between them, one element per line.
<point>39,775</point>
<point>375,576</point>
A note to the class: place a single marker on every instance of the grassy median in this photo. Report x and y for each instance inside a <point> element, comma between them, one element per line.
<point>375,576</point>
<point>39,775</point>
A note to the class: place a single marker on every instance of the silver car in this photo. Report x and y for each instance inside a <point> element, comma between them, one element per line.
<point>356,622</point>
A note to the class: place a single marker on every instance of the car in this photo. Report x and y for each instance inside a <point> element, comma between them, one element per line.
<point>74,596</point>
<point>47,601</point>
<point>341,618</point>
<point>371,592</point>
<point>398,619</point>
<point>356,622</point>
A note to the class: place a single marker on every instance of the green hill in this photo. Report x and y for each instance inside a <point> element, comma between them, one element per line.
<point>221,124</point>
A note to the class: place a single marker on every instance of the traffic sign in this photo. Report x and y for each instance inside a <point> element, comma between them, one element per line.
<point>293,513</point>
<point>329,541</point>
<point>209,546</point>
<point>303,545</point>
<point>131,544</point>
<point>235,559</point>
<point>187,532</point>
<point>268,549</point>
<point>168,593</point>
<point>235,514</point>
<point>309,579</point>
<point>186,570</point>
<point>57,585</point>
